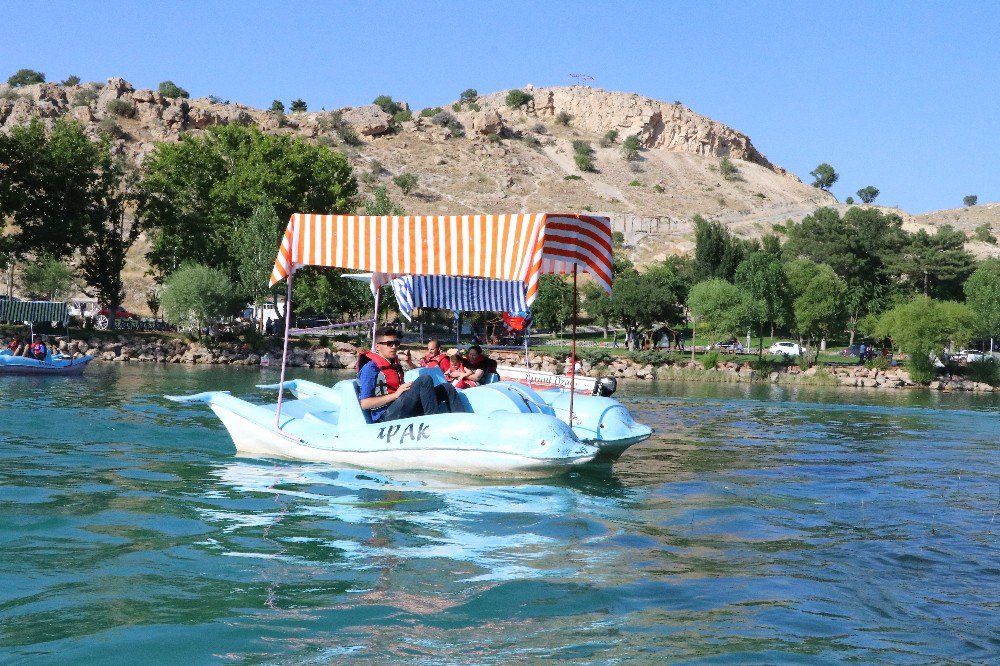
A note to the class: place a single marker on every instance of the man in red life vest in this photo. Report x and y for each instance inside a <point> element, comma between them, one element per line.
<point>387,397</point>
<point>435,357</point>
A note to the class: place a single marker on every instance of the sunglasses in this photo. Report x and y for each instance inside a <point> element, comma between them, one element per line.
<point>389,343</point>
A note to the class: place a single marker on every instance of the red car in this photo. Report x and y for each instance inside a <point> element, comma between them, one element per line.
<point>102,320</point>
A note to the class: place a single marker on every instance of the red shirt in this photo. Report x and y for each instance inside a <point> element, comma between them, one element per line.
<point>441,361</point>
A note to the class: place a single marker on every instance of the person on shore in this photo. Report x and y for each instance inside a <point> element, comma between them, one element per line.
<point>862,352</point>
<point>387,397</point>
<point>571,367</point>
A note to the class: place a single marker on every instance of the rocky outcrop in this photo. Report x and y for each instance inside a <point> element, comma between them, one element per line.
<point>369,120</point>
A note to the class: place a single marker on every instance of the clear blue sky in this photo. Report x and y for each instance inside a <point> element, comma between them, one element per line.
<point>900,95</point>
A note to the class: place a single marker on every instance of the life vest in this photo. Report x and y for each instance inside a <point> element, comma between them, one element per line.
<point>38,349</point>
<point>433,361</point>
<point>14,345</point>
<point>390,374</point>
<point>487,365</point>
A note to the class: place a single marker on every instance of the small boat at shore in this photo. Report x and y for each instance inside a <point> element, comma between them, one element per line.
<point>54,364</point>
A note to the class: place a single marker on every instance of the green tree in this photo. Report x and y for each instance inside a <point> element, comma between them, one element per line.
<point>937,265</point>
<point>817,298</point>
<point>71,80</point>
<point>197,295</point>
<point>255,245</point>
<point>406,182</point>
<point>717,253</point>
<point>299,106</point>
<point>763,282</point>
<point>824,176</point>
<point>924,326</point>
<point>387,104</point>
<point>638,299</point>
<point>517,98</point>
<point>46,279</point>
<point>198,189</point>
<point>171,89</point>
<point>982,296</point>
<point>630,147</point>
<point>278,106</point>
<point>717,308</point>
<point>868,194</point>
<point>381,204</point>
<point>553,305</point>
<point>970,200</point>
<point>728,170</point>
<point>469,95</point>
<point>25,77</point>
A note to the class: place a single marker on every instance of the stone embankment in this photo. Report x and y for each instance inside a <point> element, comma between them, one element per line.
<point>342,355</point>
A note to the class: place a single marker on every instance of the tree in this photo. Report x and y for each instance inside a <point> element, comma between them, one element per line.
<point>982,296</point>
<point>824,176</point>
<point>255,245</point>
<point>716,307</point>
<point>728,170</point>
<point>381,204</point>
<point>46,279</point>
<point>817,298</point>
<point>198,190</point>
<point>25,77</point>
<point>469,95</point>
<point>517,98</point>
<point>630,147</point>
<point>406,182</point>
<point>868,194</point>
<point>196,295</point>
<point>171,89</point>
<point>278,106</point>
<point>639,299</point>
<point>970,200</point>
<point>922,327</point>
<point>553,305</point>
<point>48,184</point>
<point>717,252</point>
<point>299,105</point>
<point>387,104</point>
<point>763,282</point>
<point>935,265</point>
<point>71,80</point>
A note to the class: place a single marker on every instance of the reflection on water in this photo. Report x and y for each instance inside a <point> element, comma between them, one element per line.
<point>760,523</point>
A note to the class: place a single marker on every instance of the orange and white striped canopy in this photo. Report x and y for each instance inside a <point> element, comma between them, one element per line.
<point>502,247</point>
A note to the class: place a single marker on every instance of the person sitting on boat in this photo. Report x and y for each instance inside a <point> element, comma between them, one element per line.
<point>39,350</point>
<point>435,357</point>
<point>16,347</point>
<point>457,372</point>
<point>387,397</point>
<point>480,367</point>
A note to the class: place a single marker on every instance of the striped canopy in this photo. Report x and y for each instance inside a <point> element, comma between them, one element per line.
<point>458,293</point>
<point>34,311</point>
<point>519,247</point>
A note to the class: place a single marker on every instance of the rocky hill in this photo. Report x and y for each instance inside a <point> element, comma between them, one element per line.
<point>490,158</point>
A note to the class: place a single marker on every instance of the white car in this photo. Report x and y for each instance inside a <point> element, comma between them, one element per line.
<point>787,348</point>
<point>972,355</point>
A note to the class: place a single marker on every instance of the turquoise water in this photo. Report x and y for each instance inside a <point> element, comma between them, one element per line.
<point>758,525</point>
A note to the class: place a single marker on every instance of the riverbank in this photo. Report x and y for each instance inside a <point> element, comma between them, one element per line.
<point>153,348</point>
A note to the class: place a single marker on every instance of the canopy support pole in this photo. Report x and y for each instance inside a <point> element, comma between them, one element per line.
<point>572,359</point>
<point>375,317</point>
<point>284,351</point>
<point>527,361</point>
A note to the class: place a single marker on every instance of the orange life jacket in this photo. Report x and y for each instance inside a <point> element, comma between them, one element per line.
<point>429,361</point>
<point>390,373</point>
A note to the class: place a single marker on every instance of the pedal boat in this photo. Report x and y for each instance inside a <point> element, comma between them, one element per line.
<point>505,431</point>
<point>54,364</point>
<point>600,421</point>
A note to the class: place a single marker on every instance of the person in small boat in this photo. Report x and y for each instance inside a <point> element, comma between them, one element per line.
<point>435,357</point>
<point>457,372</point>
<point>387,397</point>
<point>16,346</point>
<point>39,350</point>
<point>479,368</point>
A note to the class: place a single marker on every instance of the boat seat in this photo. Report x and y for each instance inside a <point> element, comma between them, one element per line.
<point>351,414</point>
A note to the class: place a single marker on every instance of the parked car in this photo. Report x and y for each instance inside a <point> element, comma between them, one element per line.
<point>103,317</point>
<point>787,348</point>
<point>971,356</point>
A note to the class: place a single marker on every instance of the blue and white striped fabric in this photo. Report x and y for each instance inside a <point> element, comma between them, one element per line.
<point>458,293</point>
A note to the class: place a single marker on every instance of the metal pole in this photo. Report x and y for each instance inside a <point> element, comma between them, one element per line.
<point>284,350</point>
<point>375,317</point>
<point>527,362</point>
<point>572,357</point>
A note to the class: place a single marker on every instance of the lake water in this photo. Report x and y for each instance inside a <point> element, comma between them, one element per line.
<point>758,525</point>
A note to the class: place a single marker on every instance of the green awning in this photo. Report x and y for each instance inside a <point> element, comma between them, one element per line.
<point>34,311</point>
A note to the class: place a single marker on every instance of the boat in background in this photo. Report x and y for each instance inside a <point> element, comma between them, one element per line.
<point>54,364</point>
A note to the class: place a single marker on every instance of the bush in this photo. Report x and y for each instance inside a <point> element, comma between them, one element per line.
<point>539,128</point>
<point>609,138</point>
<point>387,104</point>
<point>760,195</point>
<point>630,147</point>
<point>474,106</point>
<point>580,146</point>
<point>278,106</point>
<point>635,183</point>
<point>402,116</point>
<point>443,118</point>
<point>920,367</point>
<point>532,141</point>
<point>984,235</point>
<point>298,105</point>
<point>432,111</point>
<point>406,182</point>
<point>368,177</point>
<point>596,356</point>
<point>108,125</point>
<point>986,371</point>
<point>71,80</point>
<point>878,363</point>
<point>457,128</point>
<point>493,137</point>
<point>84,97</point>
<point>121,108</point>
<point>970,200</point>
<point>25,77</point>
<point>650,356</point>
<point>802,360</point>
<point>348,135</point>
<point>563,118</point>
<point>171,89</point>
<point>572,176</point>
<point>196,295</point>
<point>584,162</point>
<point>10,94</point>
<point>849,201</point>
<point>710,360</point>
<point>517,98</point>
<point>727,169</point>
<point>764,365</point>
<point>658,188</point>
